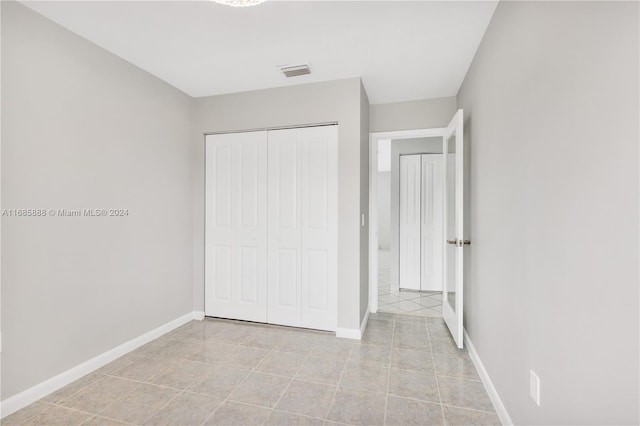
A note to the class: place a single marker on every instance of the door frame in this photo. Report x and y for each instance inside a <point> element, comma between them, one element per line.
<point>374,138</point>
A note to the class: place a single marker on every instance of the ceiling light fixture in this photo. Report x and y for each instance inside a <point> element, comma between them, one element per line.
<point>239,3</point>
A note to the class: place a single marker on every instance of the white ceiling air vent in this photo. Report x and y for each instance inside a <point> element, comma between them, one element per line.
<point>295,70</point>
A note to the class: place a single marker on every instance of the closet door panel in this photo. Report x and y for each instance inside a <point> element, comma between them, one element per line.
<point>319,227</point>
<point>236,229</point>
<point>432,239</point>
<point>410,177</point>
<point>284,227</point>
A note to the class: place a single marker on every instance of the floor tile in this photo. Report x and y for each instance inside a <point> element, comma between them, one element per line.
<point>280,418</point>
<point>264,340</point>
<point>297,343</point>
<point>373,337</point>
<point>445,346</point>
<point>410,318</point>
<point>321,370</point>
<point>380,325</point>
<point>464,393</point>
<point>185,409</point>
<point>233,413</point>
<point>371,354</point>
<point>95,397</point>
<point>407,359</point>
<point>233,335</point>
<point>212,352</point>
<point>402,411</point>
<point>365,377</point>
<point>408,295</point>
<point>103,421</point>
<point>428,312</point>
<point>394,362</point>
<point>416,341</point>
<point>72,388</point>
<point>131,357</point>
<point>178,374</point>
<point>281,363</point>
<point>243,357</point>
<point>383,316</point>
<point>412,384</point>
<point>218,381</point>
<point>142,370</point>
<point>388,298</point>
<point>439,331</point>
<point>457,366</point>
<point>22,415</point>
<point>411,327</point>
<point>56,415</point>
<point>181,349</point>
<point>332,348</point>
<point>357,408</point>
<point>460,417</point>
<point>309,399</point>
<point>140,404</point>
<point>209,328</point>
<point>260,389</point>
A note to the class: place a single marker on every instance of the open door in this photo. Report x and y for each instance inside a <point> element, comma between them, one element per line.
<point>452,298</point>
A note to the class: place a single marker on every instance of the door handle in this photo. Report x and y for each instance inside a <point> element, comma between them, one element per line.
<point>459,243</point>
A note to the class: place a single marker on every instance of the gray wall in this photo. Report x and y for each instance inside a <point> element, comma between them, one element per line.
<point>305,104</point>
<point>85,129</point>
<point>422,114</point>
<point>403,147</point>
<point>553,275</point>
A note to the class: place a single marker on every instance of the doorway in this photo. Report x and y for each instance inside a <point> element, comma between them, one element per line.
<point>451,142</point>
<point>409,225</point>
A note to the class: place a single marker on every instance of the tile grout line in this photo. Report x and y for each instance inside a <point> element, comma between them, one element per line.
<point>433,362</point>
<point>289,384</point>
<point>335,393</point>
<point>226,399</point>
<point>386,397</point>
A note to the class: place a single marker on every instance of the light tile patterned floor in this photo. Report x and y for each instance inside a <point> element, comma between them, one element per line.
<point>394,300</point>
<point>406,370</point>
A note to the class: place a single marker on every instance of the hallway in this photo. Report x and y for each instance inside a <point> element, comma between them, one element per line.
<point>392,300</point>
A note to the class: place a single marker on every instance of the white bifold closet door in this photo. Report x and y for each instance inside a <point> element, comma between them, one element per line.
<point>303,227</point>
<point>236,226</point>
<point>421,232</point>
<point>272,226</point>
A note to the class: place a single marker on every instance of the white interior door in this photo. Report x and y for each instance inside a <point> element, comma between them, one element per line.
<point>236,226</point>
<point>452,300</point>
<point>409,244</point>
<point>319,196</point>
<point>285,230</point>
<point>432,233</point>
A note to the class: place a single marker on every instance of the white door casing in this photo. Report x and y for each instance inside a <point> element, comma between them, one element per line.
<point>432,232</point>
<point>236,226</point>
<point>409,235</point>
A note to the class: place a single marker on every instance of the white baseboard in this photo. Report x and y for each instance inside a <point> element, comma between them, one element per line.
<point>198,315</point>
<point>24,398</point>
<point>488,384</point>
<point>354,333</point>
